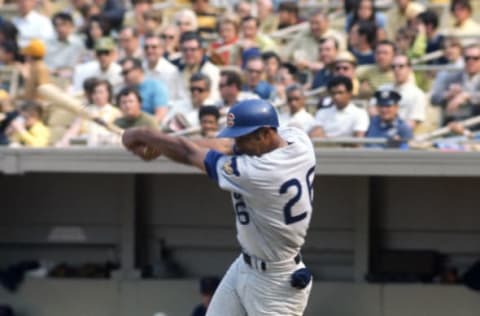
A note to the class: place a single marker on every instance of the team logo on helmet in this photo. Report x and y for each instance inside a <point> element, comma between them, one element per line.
<point>230,119</point>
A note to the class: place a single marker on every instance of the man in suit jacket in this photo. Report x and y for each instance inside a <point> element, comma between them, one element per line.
<point>459,93</point>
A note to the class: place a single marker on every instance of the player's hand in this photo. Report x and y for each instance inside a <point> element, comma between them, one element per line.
<point>132,141</point>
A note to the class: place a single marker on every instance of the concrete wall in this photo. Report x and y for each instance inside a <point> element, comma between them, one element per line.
<point>177,298</point>
<point>194,219</point>
<point>100,207</point>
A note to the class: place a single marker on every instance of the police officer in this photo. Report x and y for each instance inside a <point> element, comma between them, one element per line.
<point>387,124</point>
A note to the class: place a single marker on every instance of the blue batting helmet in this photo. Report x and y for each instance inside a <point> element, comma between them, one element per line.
<point>247,116</point>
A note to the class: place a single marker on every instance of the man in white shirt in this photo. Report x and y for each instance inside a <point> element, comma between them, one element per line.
<point>297,115</point>
<point>103,67</point>
<point>129,40</point>
<point>31,24</point>
<point>458,92</point>
<point>66,50</point>
<point>194,59</point>
<point>343,118</point>
<point>413,104</point>
<point>158,67</point>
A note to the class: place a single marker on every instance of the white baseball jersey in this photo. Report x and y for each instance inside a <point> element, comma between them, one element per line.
<point>272,198</point>
<point>271,194</point>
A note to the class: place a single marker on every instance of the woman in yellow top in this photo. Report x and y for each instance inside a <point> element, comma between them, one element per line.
<point>99,95</point>
<point>28,129</point>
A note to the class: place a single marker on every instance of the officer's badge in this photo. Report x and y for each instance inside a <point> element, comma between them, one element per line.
<point>385,94</point>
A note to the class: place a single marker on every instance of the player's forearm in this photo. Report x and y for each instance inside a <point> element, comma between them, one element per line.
<point>223,145</point>
<point>178,149</point>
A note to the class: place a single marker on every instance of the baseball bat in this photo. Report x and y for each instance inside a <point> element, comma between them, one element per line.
<point>60,98</point>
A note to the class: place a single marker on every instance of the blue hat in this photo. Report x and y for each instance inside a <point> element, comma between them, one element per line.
<point>387,97</point>
<point>247,116</point>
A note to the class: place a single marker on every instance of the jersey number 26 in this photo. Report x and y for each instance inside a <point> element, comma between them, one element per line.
<point>244,218</point>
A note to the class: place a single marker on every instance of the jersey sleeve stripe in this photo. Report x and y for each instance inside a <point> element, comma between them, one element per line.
<point>210,163</point>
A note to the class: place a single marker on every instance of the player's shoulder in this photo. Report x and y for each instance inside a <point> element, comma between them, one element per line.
<point>295,135</point>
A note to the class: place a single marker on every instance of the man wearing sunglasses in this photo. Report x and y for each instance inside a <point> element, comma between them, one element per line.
<point>195,60</point>
<point>159,68</point>
<point>103,67</point>
<point>413,103</point>
<point>153,92</point>
<point>346,65</point>
<point>297,114</point>
<point>458,93</point>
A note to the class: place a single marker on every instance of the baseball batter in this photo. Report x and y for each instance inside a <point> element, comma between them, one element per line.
<point>270,173</point>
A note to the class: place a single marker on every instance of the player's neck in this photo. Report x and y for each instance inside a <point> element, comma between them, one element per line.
<point>278,142</point>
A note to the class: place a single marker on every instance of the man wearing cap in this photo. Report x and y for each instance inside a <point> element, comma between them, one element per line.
<point>104,67</point>
<point>387,124</point>
<point>346,65</point>
<point>36,72</point>
<point>270,173</point>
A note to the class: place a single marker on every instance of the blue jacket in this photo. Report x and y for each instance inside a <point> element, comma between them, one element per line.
<point>398,129</point>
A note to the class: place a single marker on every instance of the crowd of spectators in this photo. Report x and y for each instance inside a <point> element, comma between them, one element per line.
<point>352,69</point>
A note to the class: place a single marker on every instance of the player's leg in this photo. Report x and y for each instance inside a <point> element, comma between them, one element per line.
<point>271,294</point>
<point>226,301</point>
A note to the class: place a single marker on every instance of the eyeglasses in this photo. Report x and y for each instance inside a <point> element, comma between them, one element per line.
<point>190,49</point>
<point>126,71</point>
<point>344,68</point>
<point>146,47</point>
<point>180,23</point>
<point>467,58</point>
<point>290,99</point>
<point>256,71</point>
<point>400,66</point>
<point>197,89</point>
<point>338,92</point>
<point>167,36</point>
<point>102,52</point>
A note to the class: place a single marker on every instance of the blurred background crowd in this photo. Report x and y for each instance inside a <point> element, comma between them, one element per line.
<point>346,69</point>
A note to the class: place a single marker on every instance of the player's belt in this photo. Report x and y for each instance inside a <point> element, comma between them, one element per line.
<point>263,265</point>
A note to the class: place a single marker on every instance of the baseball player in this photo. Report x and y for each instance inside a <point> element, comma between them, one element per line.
<point>270,173</point>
